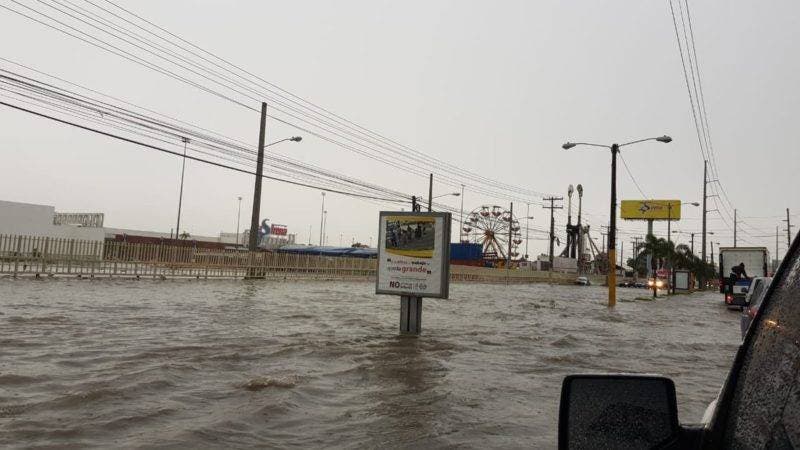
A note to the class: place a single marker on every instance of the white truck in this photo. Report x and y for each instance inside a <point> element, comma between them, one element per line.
<point>737,267</point>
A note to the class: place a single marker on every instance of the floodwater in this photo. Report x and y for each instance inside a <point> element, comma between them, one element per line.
<point>220,364</point>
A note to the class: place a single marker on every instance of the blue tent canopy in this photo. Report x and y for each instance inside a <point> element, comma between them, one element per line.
<point>329,251</point>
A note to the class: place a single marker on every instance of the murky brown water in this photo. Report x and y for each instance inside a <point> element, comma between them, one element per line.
<point>311,364</point>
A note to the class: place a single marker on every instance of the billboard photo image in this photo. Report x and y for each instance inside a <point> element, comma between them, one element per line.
<point>410,236</point>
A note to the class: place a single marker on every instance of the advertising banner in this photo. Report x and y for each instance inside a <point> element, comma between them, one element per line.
<point>414,254</point>
<point>650,209</point>
<point>279,230</point>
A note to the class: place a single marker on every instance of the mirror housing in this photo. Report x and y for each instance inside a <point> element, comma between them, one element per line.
<point>617,411</point>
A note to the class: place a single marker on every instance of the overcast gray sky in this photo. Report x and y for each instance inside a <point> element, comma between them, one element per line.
<point>492,87</point>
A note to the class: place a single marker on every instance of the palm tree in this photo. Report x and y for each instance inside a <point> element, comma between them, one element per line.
<point>659,249</point>
<point>185,235</point>
<point>674,257</point>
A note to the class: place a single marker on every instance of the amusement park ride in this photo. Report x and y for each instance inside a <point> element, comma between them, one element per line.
<point>493,226</point>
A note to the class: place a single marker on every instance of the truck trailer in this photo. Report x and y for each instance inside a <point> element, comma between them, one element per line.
<point>737,267</point>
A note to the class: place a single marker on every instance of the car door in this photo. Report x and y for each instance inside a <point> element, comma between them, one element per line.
<point>760,403</point>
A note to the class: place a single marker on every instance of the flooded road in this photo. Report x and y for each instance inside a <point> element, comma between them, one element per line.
<point>310,364</point>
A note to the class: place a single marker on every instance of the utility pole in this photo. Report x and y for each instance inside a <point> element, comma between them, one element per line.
<point>580,229</point>
<point>461,223</point>
<point>774,266</point>
<point>705,208</point>
<point>712,253</point>
<point>693,244</point>
<point>510,237</point>
<point>321,219</point>
<point>180,196</point>
<point>527,229</point>
<point>621,252</point>
<point>570,249</point>
<point>788,231</point>
<point>669,222</point>
<point>552,208</point>
<point>635,266</point>
<point>253,244</point>
<point>238,219</point>
<point>735,225</point>
<point>430,194</point>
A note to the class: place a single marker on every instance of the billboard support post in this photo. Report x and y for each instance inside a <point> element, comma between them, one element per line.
<point>413,261</point>
<point>410,315</point>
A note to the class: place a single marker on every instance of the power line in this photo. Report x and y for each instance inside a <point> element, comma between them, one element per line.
<point>161,149</point>
<point>627,169</point>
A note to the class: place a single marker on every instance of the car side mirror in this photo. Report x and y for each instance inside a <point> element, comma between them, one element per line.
<point>617,411</point>
<point>745,290</point>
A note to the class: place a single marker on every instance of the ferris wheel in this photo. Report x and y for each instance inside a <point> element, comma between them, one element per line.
<point>492,227</point>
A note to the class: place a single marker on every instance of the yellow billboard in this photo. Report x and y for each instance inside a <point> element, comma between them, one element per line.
<point>650,209</point>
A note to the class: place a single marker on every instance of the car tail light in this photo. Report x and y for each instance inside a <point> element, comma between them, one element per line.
<point>728,298</point>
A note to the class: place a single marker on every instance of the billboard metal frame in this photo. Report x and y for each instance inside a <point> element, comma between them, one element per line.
<point>444,285</point>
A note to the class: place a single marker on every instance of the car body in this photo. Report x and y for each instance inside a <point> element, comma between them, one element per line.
<point>736,292</point>
<point>757,407</point>
<point>583,281</point>
<point>755,294</point>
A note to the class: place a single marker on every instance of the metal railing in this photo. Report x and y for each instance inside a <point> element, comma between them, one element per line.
<point>49,256</point>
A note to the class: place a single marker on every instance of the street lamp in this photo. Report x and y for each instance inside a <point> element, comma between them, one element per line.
<point>612,230</point>
<point>292,139</point>
<point>669,216</point>
<point>454,194</point>
<point>527,231</point>
<point>259,173</point>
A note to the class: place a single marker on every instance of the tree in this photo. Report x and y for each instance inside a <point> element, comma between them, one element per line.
<point>667,254</point>
<point>185,235</point>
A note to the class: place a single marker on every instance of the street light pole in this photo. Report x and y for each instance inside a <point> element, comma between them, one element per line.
<point>527,231</point>
<point>321,219</point>
<point>180,195</point>
<point>238,219</point>
<point>612,229</point>
<point>430,194</point>
<point>669,221</point>
<point>461,220</point>
<point>253,241</point>
<point>324,227</point>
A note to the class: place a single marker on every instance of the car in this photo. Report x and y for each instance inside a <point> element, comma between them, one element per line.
<point>735,293</point>
<point>658,282</point>
<point>754,296</point>
<point>583,281</point>
<point>758,405</point>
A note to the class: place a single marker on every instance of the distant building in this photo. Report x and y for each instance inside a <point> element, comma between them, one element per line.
<point>26,219</point>
<point>42,220</point>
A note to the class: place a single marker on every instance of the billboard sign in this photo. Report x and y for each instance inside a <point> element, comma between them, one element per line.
<point>414,254</point>
<point>650,209</point>
<point>279,230</point>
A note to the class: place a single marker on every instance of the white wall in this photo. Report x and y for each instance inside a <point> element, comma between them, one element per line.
<point>37,220</point>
